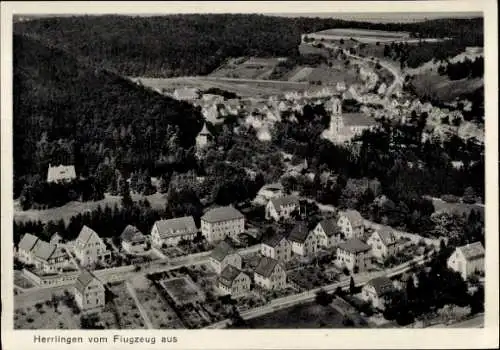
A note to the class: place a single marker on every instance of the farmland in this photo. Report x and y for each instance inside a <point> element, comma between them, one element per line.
<point>252,68</point>
<point>127,312</point>
<point>360,35</point>
<point>43,316</point>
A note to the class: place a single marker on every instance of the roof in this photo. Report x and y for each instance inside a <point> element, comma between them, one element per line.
<point>56,238</point>
<point>274,240</point>
<point>354,245</point>
<point>228,275</point>
<point>299,233</point>
<point>132,234</point>
<point>45,251</point>
<point>222,250</point>
<point>27,242</point>
<point>382,285</point>
<point>222,214</point>
<point>266,266</point>
<point>204,130</point>
<point>354,217</point>
<point>272,187</point>
<point>358,119</point>
<point>330,227</point>
<point>171,226</point>
<point>472,251</point>
<point>284,201</point>
<point>387,236</point>
<point>61,172</point>
<point>83,280</point>
<point>86,233</point>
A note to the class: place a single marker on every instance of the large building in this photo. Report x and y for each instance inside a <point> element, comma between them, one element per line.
<point>89,293</point>
<point>351,224</point>
<point>354,255</point>
<point>302,240</point>
<point>222,222</point>
<point>171,232</point>
<point>281,208</point>
<point>61,173</point>
<point>90,248</point>
<point>234,282</point>
<point>224,255</point>
<point>277,247</point>
<point>467,260</point>
<point>269,274</point>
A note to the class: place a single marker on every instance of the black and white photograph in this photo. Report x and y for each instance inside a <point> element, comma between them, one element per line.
<point>248,171</point>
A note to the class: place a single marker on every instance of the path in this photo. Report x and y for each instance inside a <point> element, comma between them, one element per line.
<point>143,312</point>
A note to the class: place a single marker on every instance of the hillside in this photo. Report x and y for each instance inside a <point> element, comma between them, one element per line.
<point>67,112</point>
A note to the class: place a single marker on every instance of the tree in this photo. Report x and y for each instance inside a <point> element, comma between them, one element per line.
<point>352,286</point>
<point>125,193</point>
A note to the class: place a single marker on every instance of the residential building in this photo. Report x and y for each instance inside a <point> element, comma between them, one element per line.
<point>90,248</point>
<point>270,191</point>
<point>223,255</point>
<point>221,222</point>
<point>133,240</point>
<point>49,258</point>
<point>277,247</point>
<point>281,207</point>
<point>171,232</point>
<point>61,173</point>
<point>467,259</point>
<point>25,252</point>
<point>351,224</point>
<point>384,243</point>
<point>354,255</point>
<point>89,292</point>
<point>202,138</point>
<point>234,282</point>
<point>328,234</point>
<point>376,291</point>
<point>269,274</point>
<point>302,240</point>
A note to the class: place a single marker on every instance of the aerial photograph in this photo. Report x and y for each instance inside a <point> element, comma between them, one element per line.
<point>248,171</point>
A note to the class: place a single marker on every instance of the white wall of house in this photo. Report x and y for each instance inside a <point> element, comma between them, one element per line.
<point>93,251</point>
<point>282,252</point>
<point>276,281</point>
<point>350,260</point>
<point>231,259</point>
<point>93,297</point>
<point>347,229</point>
<point>217,231</point>
<point>240,286</point>
<point>466,268</point>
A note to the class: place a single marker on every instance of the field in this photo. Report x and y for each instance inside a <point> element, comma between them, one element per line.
<point>442,88</point>
<point>128,314</point>
<point>253,68</point>
<point>45,317</point>
<point>459,208</point>
<point>361,35</point>
<point>182,290</point>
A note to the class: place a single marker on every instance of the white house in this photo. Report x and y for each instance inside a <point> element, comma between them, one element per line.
<point>376,291</point>
<point>61,173</point>
<point>467,259</point>
<point>328,234</point>
<point>281,207</point>
<point>170,232</point>
<point>276,247</point>
<point>25,247</point>
<point>383,242</point>
<point>354,255</point>
<point>351,224</point>
<point>269,274</point>
<point>221,222</point>
<point>234,282</point>
<point>133,240</point>
<point>89,292</point>
<point>302,240</point>
<point>203,138</point>
<point>223,255</point>
<point>90,248</point>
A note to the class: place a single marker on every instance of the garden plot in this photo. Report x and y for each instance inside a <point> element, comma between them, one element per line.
<point>311,277</point>
<point>45,316</point>
<point>182,290</point>
<point>21,281</point>
<point>128,314</point>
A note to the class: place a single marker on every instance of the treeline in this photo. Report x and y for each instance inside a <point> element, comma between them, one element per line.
<point>69,113</point>
<point>464,69</point>
<point>197,44</point>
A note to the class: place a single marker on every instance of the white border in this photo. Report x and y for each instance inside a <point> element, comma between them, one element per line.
<point>255,339</point>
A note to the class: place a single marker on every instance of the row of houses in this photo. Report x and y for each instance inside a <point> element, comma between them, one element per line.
<point>46,256</point>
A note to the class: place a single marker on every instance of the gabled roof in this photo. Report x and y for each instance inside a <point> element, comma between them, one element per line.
<point>228,275</point>
<point>280,202</point>
<point>132,234</point>
<point>472,251</point>
<point>83,280</point>
<point>45,251</point>
<point>204,130</point>
<point>27,242</point>
<point>222,214</point>
<point>382,285</point>
<point>222,250</point>
<point>330,227</point>
<point>274,240</point>
<point>56,238</point>
<point>354,245</point>
<point>86,234</point>
<point>354,217</point>
<point>61,172</point>
<point>299,233</point>
<point>387,236</point>
<point>266,266</point>
<point>169,228</point>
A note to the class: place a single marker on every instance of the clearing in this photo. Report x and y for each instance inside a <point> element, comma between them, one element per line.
<point>252,68</point>
<point>442,88</point>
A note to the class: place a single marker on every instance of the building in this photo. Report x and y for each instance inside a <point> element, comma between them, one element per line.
<point>384,243</point>
<point>56,239</point>
<point>223,255</point>
<point>172,231</point>
<point>376,291</point>
<point>234,282</point>
<point>270,191</point>
<point>186,94</point>
<point>61,173</point>
<point>133,240</point>
<point>277,247</point>
<point>328,234</point>
<point>90,248</point>
<point>49,258</point>
<point>281,207</point>
<point>333,106</point>
<point>467,260</point>
<point>221,222</point>
<point>354,255</point>
<point>269,274</point>
<point>25,252</point>
<point>351,224</point>
<point>302,240</point>
<point>89,292</point>
<point>203,138</point>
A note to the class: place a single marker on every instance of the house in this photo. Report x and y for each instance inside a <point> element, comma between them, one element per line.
<point>276,247</point>
<point>61,173</point>
<point>172,231</point>
<point>351,224</point>
<point>56,239</point>
<point>281,207</point>
<point>384,243</point>
<point>467,259</point>
<point>133,240</point>
<point>234,282</point>
<point>270,191</point>
<point>302,240</point>
<point>90,248</point>
<point>223,255</point>
<point>221,222</point>
<point>269,274</point>
<point>25,248</point>
<point>354,255</point>
<point>49,258</point>
<point>202,138</point>
<point>376,291</point>
<point>89,292</point>
<point>327,233</point>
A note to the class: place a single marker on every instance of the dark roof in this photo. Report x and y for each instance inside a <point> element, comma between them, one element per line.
<point>222,250</point>
<point>382,285</point>
<point>299,233</point>
<point>132,234</point>
<point>167,228</point>
<point>284,201</point>
<point>330,227</point>
<point>228,275</point>
<point>84,280</point>
<point>266,266</point>
<point>27,242</point>
<point>274,240</point>
<point>354,245</point>
<point>222,214</point>
<point>472,251</point>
